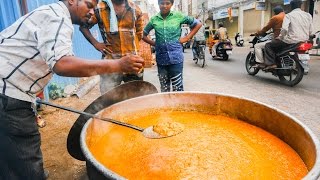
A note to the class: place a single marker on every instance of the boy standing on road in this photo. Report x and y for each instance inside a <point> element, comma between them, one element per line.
<point>168,44</point>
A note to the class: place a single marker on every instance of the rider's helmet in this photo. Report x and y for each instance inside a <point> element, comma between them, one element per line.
<point>220,24</point>
<point>277,9</point>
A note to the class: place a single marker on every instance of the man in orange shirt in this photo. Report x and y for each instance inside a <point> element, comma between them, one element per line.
<point>121,26</point>
<point>275,24</point>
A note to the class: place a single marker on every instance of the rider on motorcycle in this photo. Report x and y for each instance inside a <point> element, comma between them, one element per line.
<point>275,24</point>
<point>296,27</point>
<point>198,38</point>
<point>222,35</point>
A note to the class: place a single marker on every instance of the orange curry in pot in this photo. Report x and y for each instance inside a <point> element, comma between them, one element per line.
<point>210,147</point>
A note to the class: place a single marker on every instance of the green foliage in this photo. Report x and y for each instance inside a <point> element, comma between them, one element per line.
<point>55,91</point>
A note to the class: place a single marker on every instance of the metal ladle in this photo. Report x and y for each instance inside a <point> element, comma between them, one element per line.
<point>146,132</point>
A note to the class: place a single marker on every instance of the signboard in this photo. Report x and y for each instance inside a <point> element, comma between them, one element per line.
<point>248,5</point>
<point>286,2</point>
<point>224,13</point>
<point>261,6</point>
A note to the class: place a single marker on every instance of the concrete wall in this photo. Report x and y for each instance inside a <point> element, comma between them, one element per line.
<point>184,6</point>
<point>251,21</point>
<point>316,16</point>
<point>232,27</point>
<point>209,24</point>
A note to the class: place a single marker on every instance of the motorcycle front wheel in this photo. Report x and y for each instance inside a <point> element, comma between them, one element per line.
<point>250,62</point>
<point>295,76</point>
<point>196,61</point>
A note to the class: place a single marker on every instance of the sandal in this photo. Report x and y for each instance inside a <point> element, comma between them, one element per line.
<point>40,122</point>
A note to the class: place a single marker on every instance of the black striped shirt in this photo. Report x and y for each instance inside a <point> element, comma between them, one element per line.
<point>30,47</point>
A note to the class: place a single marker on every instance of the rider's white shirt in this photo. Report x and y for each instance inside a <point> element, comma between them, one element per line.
<point>199,36</point>
<point>296,27</point>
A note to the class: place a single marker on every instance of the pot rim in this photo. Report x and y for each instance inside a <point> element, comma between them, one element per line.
<point>313,174</point>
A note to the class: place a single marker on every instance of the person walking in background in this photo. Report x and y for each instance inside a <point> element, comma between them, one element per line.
<point>169,55</point>
<point>296,27</point>
<point>31,50</point>
<point>121,26</point>
<point>275,24</point>
<point>198,38</point>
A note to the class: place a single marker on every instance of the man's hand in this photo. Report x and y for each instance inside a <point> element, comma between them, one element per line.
<point>184,39</point>
<point>131,63</point>
<point>103,48</point>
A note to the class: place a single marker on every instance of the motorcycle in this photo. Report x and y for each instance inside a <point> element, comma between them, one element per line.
<point>291,61</point>
<point>239,40</point>
<point>223,49</point>
<point>200,49</point>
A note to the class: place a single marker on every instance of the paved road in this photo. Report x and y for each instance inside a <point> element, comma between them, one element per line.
<point>230,77</point>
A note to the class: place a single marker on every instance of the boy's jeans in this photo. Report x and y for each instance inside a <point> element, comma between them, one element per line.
<point>171,75</point>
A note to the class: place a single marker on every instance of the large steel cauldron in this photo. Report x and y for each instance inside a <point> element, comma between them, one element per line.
<point>277,122</point>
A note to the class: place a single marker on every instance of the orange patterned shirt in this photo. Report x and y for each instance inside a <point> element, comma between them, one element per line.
<point>130,27</point>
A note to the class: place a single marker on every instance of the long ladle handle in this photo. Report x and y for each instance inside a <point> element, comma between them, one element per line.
<point>90,115</point>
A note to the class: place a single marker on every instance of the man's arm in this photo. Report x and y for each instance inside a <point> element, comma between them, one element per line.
<point>72,66</point>
<point>311,25</point>
<point>285,26</point>
<point>146,31</point>
<point>267,27</point>
<point>139,23</point>
<point>102,47</point>
<point>193,31</point>
<point>146,39</point>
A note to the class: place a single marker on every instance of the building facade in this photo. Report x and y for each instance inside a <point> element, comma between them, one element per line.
<point>147,7</point>
<point>249,16</point>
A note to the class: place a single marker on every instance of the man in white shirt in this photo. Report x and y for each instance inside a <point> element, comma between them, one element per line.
<point>296,27</point>
<point>198,39</point>
<point>31,50</point>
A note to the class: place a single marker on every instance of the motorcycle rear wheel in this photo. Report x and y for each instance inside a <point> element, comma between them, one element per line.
<point>202,56</point>
<point>250,62</point>
<point>203,62</point>
<point>225,57</point>
<point>295,76</point>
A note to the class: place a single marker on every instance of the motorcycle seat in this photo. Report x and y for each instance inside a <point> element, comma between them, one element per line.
<point>201,42</point>
<point>290,47</point>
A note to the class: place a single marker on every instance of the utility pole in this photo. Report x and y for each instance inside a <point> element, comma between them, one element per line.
<point>202,12</point>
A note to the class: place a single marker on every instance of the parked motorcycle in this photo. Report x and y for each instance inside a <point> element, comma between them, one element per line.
<point>239,40</point>
<point>223,49</point>
<point>291,61</point>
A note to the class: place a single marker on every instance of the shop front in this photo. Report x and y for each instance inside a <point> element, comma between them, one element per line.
<point>251,19</point>
<point>229,17</point>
